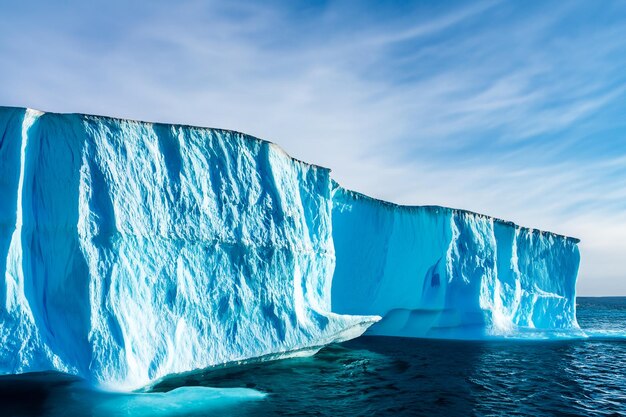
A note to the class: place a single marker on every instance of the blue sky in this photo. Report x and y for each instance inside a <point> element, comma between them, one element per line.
<point>513,109</point>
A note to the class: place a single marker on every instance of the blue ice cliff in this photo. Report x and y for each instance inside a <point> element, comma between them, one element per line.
<point>131,251</point>
<point>446,273</point>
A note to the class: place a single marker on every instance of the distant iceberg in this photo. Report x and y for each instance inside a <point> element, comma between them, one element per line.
<point>131,251</point>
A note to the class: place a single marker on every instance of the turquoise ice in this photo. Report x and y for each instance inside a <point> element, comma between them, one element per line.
<point>131,251</point>
<point>446,273</point>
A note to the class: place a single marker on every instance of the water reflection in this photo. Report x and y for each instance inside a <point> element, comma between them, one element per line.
<point>376,376</point>
<point>381,376</point>
<point>395,376</point>
<point>54,394</point>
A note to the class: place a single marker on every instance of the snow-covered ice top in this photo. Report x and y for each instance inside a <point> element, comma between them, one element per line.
<point>132,250</point>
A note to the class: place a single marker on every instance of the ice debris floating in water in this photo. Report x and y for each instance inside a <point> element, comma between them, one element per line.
<point>132,251</point>
<point>53,394</point>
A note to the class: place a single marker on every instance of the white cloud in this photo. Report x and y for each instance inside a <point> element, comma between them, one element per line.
<point>413,109</point>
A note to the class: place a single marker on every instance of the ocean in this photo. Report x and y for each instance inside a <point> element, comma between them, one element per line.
<point>377,376</point>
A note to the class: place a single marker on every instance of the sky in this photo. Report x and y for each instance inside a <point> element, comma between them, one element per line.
<point>512,109</point>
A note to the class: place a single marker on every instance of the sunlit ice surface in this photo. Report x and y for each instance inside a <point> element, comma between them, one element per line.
<point>133,251</point>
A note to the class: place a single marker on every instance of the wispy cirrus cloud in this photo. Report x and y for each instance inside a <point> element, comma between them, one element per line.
<point>513,110</point>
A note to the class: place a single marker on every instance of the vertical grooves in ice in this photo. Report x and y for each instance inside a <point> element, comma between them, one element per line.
<point>499,280</point>
<point>137,250</point>
<point>133,250</point>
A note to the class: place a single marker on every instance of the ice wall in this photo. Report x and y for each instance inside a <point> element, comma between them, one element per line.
<point>131,250</point>
<point>445,273</point>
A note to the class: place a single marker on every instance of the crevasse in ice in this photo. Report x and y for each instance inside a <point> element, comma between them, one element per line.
<point>131,251</point>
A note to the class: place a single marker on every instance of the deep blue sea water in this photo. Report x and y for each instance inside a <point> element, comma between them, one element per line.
<point>383,376</point>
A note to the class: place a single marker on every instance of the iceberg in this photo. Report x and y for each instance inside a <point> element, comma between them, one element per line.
<point>131,251</point>
<point>444,273</point>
